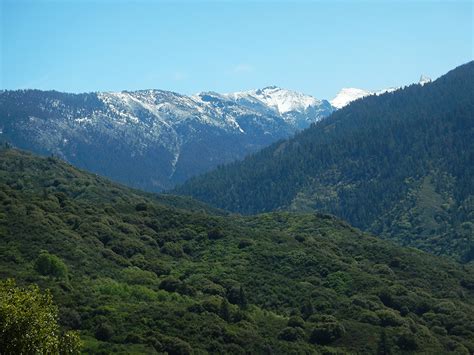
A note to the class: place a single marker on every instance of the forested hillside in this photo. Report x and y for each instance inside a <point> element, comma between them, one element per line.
<point>399,165</point>
<point>136,275</point>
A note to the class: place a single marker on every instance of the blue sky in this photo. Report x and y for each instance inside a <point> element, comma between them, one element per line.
<point>316,47</point>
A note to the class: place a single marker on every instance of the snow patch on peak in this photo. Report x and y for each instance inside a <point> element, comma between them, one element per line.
<point>347,95</point>
<point>280,100</point>
<point>424,80</point>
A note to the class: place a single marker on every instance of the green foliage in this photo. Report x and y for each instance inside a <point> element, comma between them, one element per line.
<point>172,249</point>
<point>29,323</point>
<point>225,310</point>
<point>104,332</point>
<point>126,292</point>
<point>215,233</point>
<point>296,321</point>
<point>398,165</point>
<point>237,296</point>
<point>389,318</point>
<point>406,340</point>
<point>291,334</point>
<point>327,331</point>
<point>50,265</point>
<point>177,346</point>
<point>338,281</point>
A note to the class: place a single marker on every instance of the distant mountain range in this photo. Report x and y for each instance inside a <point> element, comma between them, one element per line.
<point>153,139</point>
<point>398,164</point>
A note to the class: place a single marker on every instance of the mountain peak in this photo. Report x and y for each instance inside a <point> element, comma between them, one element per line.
<point>424,80</point>
<point>279,99</point>
<point>347,95</point>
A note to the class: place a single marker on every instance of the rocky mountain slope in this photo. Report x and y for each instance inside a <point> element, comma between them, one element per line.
<point>153,139</point>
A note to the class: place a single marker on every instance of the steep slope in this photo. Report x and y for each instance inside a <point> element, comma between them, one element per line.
<point>150,139</point>
<point>398,164</point>
<point>136,276</point>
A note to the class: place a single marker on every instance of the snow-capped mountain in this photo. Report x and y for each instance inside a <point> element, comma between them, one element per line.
<point>153,139</point>
<point>296,109</point>
<point>280,100</point>
<point>347,95</point>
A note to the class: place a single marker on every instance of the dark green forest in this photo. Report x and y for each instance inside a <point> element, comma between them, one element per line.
<point>140,273</point>
<point>399,165</point>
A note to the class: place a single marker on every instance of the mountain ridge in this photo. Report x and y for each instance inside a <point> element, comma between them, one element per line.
<point>154,139</point>
<point>396,164</point>
<point>149,139</point>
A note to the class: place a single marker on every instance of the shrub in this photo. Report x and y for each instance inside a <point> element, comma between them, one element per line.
<point>236,295</point>
<point>300,238</point>
<point>212,304</point>
<point>172,249</point>
<point>439,330</point>
<point>244,243</point>
<point>142,206</point>
<point>158,267</point>
<point>135,275</point>
<point>176,346</point>
<point>291,334</point>
<point>369,317</point>
<point>104,332</point>
<point>215,233</point>
<point>225,312</point>
<point>211,288</point>
<point>367,303</point>
<point>382,269</point>
<point>445,307</point>
<point>296,321</point>
<point>50,265</point>
<point>171,284</point>
<point>127,247</point>
<point>406,340</point>
<point>307,309</point>
<point>327,332</point>
<point>133,338</point>
<point>187,234</point>
<point>116,258</point>
<point>339,281</point>
<point>389,318</point>
<point>70,318</point>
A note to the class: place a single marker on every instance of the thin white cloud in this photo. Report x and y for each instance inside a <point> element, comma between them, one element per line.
<point>179,76</point>
<point>243,68</point>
